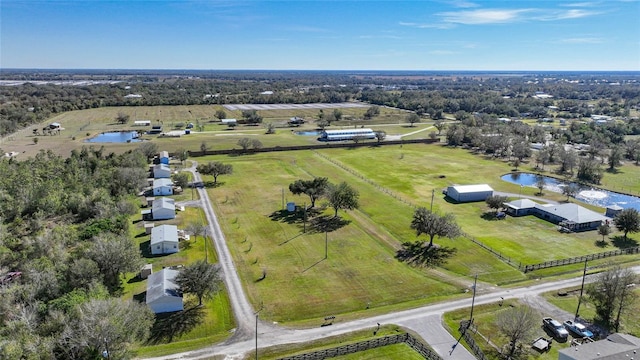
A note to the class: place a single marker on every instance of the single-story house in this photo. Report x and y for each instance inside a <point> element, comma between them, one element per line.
<point>164,240</point>
<point>229,121</point>
<point>161,171</point>
<point>615,347</point>
<point>571,216</point>
<point>164,157</point>
<point>163,294</point>
<point>142,123</point>
<point>469,193</point>
<point>163,208</point>
<point>162,187</point>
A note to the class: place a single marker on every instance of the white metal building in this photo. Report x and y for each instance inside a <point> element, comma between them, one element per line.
<point>164,240</point>
<point>469,193</point>
<point>164,157</point>
<point>161,171</point>
<point>346,134</point>
<point>163,294</point>
<point>162,187</point>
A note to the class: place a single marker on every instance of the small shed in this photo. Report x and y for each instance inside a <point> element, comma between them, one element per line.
<point>163,294</point>
<point>164,157</point>
<point>142,123</point>
<point>613,210</point>
<point>161,171</point>
<point>146,270</point>
<point>148,227</point>
<point>229,121</point>
<point>164,240</point>
<point>469,193</point>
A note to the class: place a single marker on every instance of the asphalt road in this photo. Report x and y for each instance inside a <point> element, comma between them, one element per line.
<point>426,320</point>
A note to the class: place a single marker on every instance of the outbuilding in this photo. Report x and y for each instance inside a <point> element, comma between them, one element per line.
<point>164,157</point>
<point>469,193</point>
<point>164,240</point>
<point>161,171</point>
<point>162,187</point>
<point>163,208</point>
<point>163,294</point>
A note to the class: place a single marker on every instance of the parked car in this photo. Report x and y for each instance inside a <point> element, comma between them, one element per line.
<point>578,329</point>
<point>559,332</point>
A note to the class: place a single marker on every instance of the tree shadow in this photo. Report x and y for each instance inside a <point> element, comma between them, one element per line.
<point>211,184</point>
<point>142,297</point>
<point>489,216</point>
<point>601,243</point>
<point>623,243</point>
<point>289,217</point>
<point>142,234</point>
<point>420,254</point>
<point>326,223</point>
<point>168,326</point>
<point>133,280</point>
<point>613,171</point>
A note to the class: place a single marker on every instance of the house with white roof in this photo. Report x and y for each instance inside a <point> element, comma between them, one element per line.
<point>164,157</point>
<point>161,171</point>
<point>469,193</point>
<point>162,187</point>
<point>163,294</point>
<point>615,347</point>
<point>164,240</point>
<point>571,216</point>
<point>163,208</point>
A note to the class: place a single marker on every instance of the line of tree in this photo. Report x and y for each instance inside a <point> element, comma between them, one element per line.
<point>340,197</point>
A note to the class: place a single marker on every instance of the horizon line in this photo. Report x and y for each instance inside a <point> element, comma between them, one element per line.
<point>308,70</point>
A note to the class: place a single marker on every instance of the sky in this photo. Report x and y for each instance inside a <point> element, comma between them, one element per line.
<point>516,35</point>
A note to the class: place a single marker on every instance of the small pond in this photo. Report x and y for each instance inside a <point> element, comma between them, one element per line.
<point>308,133</point>
<point>590,195</point>
<point>115,137</point>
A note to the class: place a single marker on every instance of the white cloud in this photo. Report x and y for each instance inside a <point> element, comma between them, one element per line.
<point>563,15</point>
<point>426,25</point>
<point>463,4</point>
<point>581,40</point>
<point>581,4</point>
<point>484,16</point>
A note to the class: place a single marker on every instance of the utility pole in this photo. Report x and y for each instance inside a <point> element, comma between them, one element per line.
<point>256,336</point>
<point>584,274</point>
<point>326,245</point>
<point>206,253</point>
<point>473,300</point>
<point>304,219</point>
<point>282,198</point>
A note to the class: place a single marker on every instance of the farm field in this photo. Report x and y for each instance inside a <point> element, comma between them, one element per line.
<point>361,269</point>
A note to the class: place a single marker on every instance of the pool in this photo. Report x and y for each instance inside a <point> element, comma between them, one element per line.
<point>115,137</point>
<point>588,194</point>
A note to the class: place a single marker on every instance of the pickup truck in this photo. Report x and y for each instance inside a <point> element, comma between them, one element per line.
<point>554,326</point>
<point>578,329</point>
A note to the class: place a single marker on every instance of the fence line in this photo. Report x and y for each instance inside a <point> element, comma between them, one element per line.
<point>580,259</point>
<point>416,345</point>
<point>464,327</point>
<point>494,252</point>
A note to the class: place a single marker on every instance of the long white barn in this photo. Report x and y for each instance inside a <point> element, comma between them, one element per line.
<point>346,134</point>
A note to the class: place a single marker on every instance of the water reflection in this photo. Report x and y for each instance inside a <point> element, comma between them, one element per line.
<point>587,194</point>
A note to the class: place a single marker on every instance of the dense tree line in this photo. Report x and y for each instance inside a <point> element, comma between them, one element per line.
<point>64,227</point>
<point>508,96</point>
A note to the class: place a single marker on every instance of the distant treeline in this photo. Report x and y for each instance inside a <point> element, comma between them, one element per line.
<point>500,96</point>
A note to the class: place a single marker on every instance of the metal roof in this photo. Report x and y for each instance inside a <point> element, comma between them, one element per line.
<point>162,233</point>
<point>163,203</point>
<point>162,284</point>
<point>572,212</point>
<point>162,182</point>
<point>462,189</point>
<point>614,347</point>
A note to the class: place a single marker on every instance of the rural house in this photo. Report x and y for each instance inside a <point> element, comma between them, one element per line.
<point>571,216</point>
<point>162,187</point>
<point>164,240</point>
<point>161,171</point>
<point>161,209</point>
<point>163,294</point>
<point>164,157</point>
<point>614,347</point>
<point>469,193</point>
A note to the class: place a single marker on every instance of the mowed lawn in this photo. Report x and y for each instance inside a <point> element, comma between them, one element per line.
<point>300,283</point>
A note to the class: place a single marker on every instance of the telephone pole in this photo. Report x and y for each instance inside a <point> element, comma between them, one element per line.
<point>584,274</point>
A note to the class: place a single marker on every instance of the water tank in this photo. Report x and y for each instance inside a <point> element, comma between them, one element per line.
<point>291,206</point>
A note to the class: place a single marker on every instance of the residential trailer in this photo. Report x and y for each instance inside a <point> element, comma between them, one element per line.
<point>162,187</point>
<point>163,294</point>
<point>162,209</point>
<point>164,240</point>
<point>161,171</point>
<point>164,157</point>
<point>469,193</point>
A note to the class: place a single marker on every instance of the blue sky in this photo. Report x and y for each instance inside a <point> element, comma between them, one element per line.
<point>321,35</point>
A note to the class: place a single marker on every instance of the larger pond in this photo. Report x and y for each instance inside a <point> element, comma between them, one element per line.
<point>590,195</point>
<point>115,137</point>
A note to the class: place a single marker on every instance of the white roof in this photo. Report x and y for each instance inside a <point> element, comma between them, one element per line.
<point>573,212</point>
<point>161,167</point>
<point>164,203</point>
<point>521,204</point>
<point>164,154</point>
<point>164,233</point>
<point>162,182</point>
<point>161,284</point>
<point>472,188</point>
<point>351,131</point>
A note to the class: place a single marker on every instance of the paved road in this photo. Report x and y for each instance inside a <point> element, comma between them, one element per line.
<point>426,320</point>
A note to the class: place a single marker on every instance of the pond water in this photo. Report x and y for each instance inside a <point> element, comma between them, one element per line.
<point>308,133</point>
<point>587,194</point>
<point>115,137</point>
